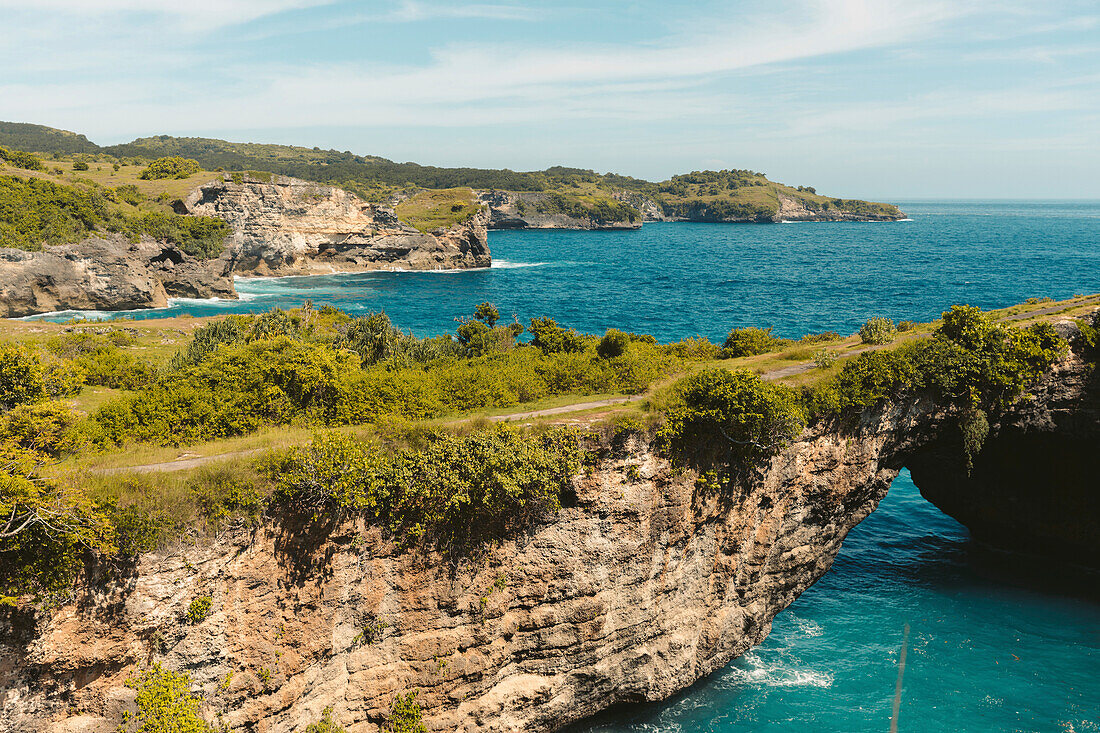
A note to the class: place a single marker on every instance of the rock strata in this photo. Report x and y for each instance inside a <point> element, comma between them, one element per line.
<point>531,210</point>
<point>645,582</point>
<point>104,273</point>
<point>286,226</point>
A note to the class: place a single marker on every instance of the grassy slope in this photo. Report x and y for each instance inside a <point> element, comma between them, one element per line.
<point>438,209</point>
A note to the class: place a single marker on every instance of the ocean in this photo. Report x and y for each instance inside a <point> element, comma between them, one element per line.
<point>997,642</point>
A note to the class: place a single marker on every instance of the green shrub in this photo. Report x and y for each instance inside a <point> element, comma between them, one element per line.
<point>199,609</point>
<point>824,358</point>
<point>45,529</point>
<point>19,159</point>
<point>970,361</point>
<point>80,165</point>
<point>165,704</point>
<point>904,326</point>
<point>818,338</point>
<point>695,348</point>
<point>458,492</point>
<point>614,343</point>
<point>325,724</point>
<point>173,167</point>
<point>719,417</point>
<point>877,331</point>
<point>749,342</point>
<point>47,427</point>
<point>405,715</point>
<point>26,377</point>
<point>554,339</point>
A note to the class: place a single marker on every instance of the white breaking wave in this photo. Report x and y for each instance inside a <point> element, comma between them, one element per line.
<point>506,265</point>
<point>776,674</point>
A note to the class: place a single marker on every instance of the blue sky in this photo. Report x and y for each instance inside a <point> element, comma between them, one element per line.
<point>879,99</point>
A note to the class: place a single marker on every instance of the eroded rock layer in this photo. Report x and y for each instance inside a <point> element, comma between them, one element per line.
<point>105,273</point>
<point>286,226</point>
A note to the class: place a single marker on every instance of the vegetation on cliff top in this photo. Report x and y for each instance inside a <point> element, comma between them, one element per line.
<point>704,195</point>
<point>35,212</point>
<point>432,210</point>
<point>321,369</point>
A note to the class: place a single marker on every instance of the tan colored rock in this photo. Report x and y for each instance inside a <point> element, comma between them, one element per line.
<point>286,226</point>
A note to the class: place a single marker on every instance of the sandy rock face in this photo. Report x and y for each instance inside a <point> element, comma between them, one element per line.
<point>642,586</point>
<point>286,226</point>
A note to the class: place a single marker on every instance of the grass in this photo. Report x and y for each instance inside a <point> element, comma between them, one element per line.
<point>105,175</point>
<point>428,211</point>
<point>158,339</point>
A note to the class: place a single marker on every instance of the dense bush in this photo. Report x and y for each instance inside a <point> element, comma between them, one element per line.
<point>80,165</point>
<point>750,341</point>
<point>198,236</point>
<point>45,529</point>
<point>969,361</point>
<point>405,716</point>
<point>26,376</point>
<point>729,417</point>
<point>553,339</point>
<point>35,212</point>
<point>877,331</point>
<point>457,492</point>
<point>614,343</point>
<point>171,167</point>
<point>19,159</point>
<point>164,704</point>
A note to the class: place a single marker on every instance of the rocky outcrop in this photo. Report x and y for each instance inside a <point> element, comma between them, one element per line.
<point>105,273</point>
<point>285,226</point>
<point>1033,485</point>
<point>537,210</point>
<point>791,209</point>
<point>646,581</point>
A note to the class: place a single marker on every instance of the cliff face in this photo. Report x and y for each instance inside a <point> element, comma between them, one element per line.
<point>791,209</point>
<point>286,226</point>
<point>1034,485</point>
<point>535,210</point>
<point>644,583</point>
<point>105,273</point>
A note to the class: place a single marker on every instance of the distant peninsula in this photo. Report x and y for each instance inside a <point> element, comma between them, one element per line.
<point>83,226</point>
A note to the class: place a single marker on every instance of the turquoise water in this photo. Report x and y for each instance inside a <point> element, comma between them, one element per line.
<point>676,280</point>
<point>998,642</point>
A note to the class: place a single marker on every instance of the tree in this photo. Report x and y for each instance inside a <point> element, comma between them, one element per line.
<point>173,167</point>
<point>44,528</point>
<point>614,343</point>
<point>749,342</point>
<point>487,313</point>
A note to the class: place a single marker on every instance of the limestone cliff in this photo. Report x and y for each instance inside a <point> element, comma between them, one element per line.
<point>285,226</point>
<point>646,581</point>
<point>105,273</point>
<point>538,210</point>
<point>791,209</point>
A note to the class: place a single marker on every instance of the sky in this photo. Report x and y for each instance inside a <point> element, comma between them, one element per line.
<point>878,99</point>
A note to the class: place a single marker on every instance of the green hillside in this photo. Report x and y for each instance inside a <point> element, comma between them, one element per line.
<point>700,195</point>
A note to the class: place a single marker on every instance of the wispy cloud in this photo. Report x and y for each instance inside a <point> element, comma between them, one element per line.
<point>194,15</point>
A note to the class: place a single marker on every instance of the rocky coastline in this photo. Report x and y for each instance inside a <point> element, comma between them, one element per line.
<point>281,226</point>
<point>647,580</point>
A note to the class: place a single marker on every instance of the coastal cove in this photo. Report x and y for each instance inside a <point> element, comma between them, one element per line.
<point>994,635</point>
<point>681,279</point>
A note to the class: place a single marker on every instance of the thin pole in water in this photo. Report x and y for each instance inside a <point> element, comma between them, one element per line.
<point>901,673</point>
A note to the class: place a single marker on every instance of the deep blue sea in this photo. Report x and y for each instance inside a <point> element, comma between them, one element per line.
<point>998,642</point>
